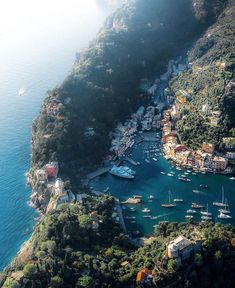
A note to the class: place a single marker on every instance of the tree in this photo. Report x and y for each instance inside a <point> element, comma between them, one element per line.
<point>84,282</point>
<point>84,220</point>
<point>11,283</point>
<point>56,282</point>
<point>30,270</point>
<point>171,265</point>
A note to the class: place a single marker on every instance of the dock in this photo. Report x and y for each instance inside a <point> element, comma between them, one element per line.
<point>119,212</point>
<point>98,172</point>
<point>131,161</point>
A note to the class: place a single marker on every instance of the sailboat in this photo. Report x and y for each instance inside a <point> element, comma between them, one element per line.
<point>206,213</point>
<point>169,205</point>
<point>220,204</point>
<point>224,216</point>
<point>225,210</point>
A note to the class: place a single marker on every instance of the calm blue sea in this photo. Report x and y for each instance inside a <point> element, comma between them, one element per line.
<point>150,181</point>
<point>37,50</point>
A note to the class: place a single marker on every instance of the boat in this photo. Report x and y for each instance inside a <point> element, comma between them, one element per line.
<point>146,210</point>
<point>132,209</point>
<point>170,174</point>
<point>207,218</point>
<point>151,197</point>
<point>184,179</point>
<point>119,172</point>
<point>137,196</point>
<point>154,159</point>
<point>197,206</point>
<point>191,211</point>
<point>232,178</point>
<point>130,217</point>
<point>189,216</point>
<point>21,91</point>
<point>222,203</point>
<point>169,205</point>
<point>147,161</point>
<point>163,173</point>
<point>178,200</point>
<point>147,216</point>
<point>128,170</point>
<point>206,213</point>
<point>196,191</point>
<point>224,216</point>
<point>194,173</point>
<point>188,171</point>
<point>106,190</point>
<point>133,222</point>
<point>203,186</point>
<point>178,168</point>
<point>154,217</point>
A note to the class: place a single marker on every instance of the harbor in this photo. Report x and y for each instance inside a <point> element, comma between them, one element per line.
<point>150,189</point>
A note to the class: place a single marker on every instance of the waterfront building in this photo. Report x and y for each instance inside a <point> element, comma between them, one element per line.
<point>52,169</point>
<point>219,163</point>
<point>229,142</point>
<point>208,148</point>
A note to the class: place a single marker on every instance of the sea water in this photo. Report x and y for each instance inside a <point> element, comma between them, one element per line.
<point>38,45</point>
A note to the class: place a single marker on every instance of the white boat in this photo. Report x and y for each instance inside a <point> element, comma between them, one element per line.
<point>154,217</point>
<point>128,170</point>
<point>168,205</point>
<point>163,173</point>
<point>189,216</point>
<point>147,161</point>
<point>207,218</point>
<point>191,211</point>
<point>132,209</point>
<point>119,172</point>
<point>21,91</point>
<point>232,178</point>
<point>147,216</point>
<point>206,213</point>
<point>151,197</point>
<point>137,196</point>
<point>146,210</point>
<point>224,216</point>
<point>170,174</point>
<point>154,159</point>
<point>178,168</point>
<point>225,210</point>
<point>222,203</point>
<point>178,200</point>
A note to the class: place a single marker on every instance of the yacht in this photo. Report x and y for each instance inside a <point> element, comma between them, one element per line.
<point>232,178</point>
<point>224,216</point>
<point>178,200</point>
<point>120,172</point>
<point>203,186</point>
<point>154,217</point>
<point>147,216</point>
<point>178,168</point>
<point>147,161</point>
<point>225,210</point>
<point>151,197</point>
<point>222,203</point>
<point>191,211</point>
<point>146,210</point>
<point>154,159</point>
<point>207,218</point>
<point>197,206</point>
<point>169,205</point>
<point>189,216</point>
<point>163,173</point>
<point>128,170</point>
<point>170,174</point>
<point>137,196</point>
<point>206,213</point>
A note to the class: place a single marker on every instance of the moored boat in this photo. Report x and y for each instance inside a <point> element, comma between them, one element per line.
<point>146,210</point>
<point>168,205</point>
<point>178,200</point>
<point>191,211</point>
<point>197,206</point>
<point>224,216</point>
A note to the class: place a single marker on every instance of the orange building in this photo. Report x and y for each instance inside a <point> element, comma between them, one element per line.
<point>143,275</point>
<point>208,148</point>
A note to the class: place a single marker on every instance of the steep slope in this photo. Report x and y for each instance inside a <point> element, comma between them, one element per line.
<point>136,42</point>
<point>209,83</point>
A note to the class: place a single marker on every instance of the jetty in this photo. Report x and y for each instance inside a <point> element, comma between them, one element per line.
<point>98,172</point>
<point>131,161</point>
<point>132,201</point>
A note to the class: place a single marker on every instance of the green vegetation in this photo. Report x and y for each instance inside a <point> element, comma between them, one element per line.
<point>212,59</point>
<point>103,88</point>
<point>66,254</point>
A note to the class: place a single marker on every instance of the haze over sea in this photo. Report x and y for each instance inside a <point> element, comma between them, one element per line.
<point>39,40</point>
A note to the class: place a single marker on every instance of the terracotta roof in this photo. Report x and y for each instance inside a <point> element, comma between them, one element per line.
<point>142,274</point>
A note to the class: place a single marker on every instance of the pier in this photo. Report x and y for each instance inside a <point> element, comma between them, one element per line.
<point>131,161</point>
<point>97,173</point>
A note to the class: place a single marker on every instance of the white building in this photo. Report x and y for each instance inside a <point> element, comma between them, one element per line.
<point>41,175</point>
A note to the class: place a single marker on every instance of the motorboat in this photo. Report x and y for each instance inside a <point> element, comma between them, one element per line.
<point>178,200</point>
<point>147,161</point>
<point>170,174</point>
<point>163,173</point>
<point>151,197</point>
<point>191,211</point>
<point>146,210</point>
<point>204,186</point>
<point>206,213</point>
<point>207,218</point>
<point>197,206</point>
<point>189,216</point>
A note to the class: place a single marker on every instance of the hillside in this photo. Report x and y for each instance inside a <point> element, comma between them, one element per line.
<point>74,247</point>
<point>103,88</point>
<point>208,83</point>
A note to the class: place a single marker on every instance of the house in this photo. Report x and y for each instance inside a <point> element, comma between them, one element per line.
<point>219,163</point>
<point>208,148</point>
<point>59,187</point>
<point>41,175</point>
<point>206,161</point>
<point>52,169</point>
<point>180,248</point>
<point>230,155</point>
<point>206,109</point>
<point>144,276</point>
<point>229,142</point>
